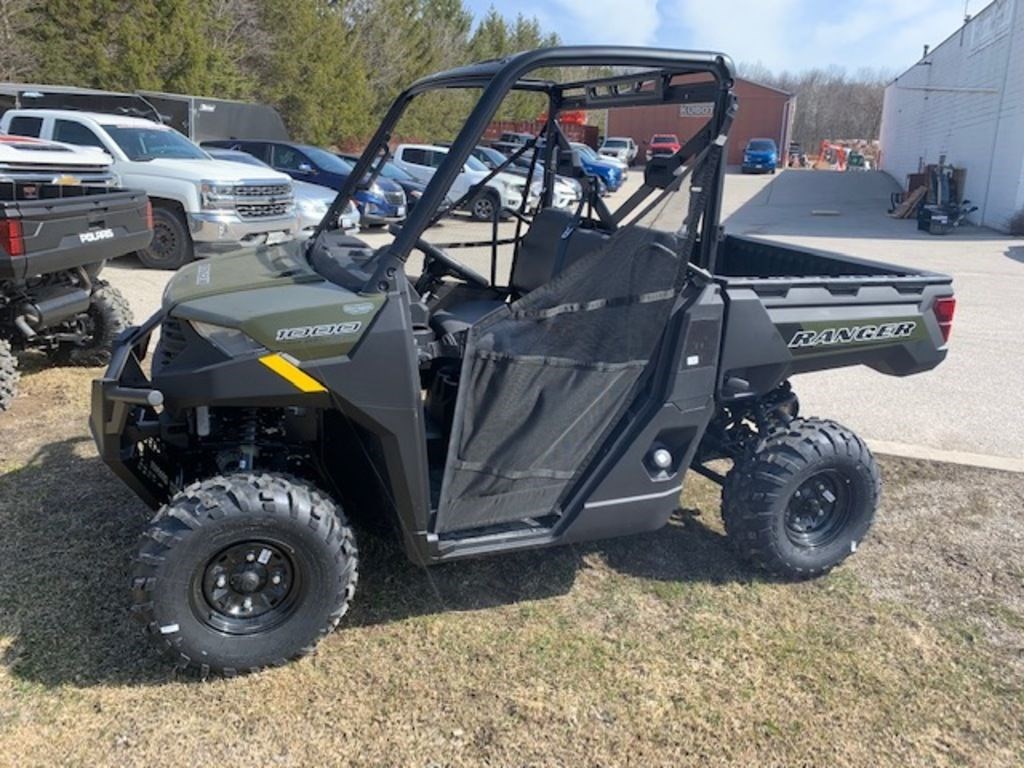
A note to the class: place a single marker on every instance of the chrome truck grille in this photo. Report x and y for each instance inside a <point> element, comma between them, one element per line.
<point>263,201</point>
<point>262,210</point>
<point>263,190</point>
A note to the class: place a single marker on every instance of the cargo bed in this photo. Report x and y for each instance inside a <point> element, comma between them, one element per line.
<point>824,310</point>
<point>48,228</point>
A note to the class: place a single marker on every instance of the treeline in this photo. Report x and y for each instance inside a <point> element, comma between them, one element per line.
<point>830,104</point>
<point>331,67</point>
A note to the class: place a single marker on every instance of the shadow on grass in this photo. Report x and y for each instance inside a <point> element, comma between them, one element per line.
<point>70,528</point>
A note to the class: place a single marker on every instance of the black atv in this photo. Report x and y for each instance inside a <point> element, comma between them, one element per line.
<point>54,239</point>
<point>563,403</point>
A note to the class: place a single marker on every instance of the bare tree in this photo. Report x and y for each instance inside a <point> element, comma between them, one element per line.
<point>15,50</point>
<point>830,103</point>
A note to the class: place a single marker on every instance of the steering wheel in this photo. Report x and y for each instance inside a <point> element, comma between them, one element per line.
<point>450,266</point>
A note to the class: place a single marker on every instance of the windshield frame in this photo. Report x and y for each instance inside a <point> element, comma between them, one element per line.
<point>713,81</point>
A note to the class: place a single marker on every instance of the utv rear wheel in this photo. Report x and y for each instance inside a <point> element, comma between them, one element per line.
<point>171,246</point>
<point>8,375</point>
<point>108,315</point>
<point>242,572</point>
<point>800,503</point>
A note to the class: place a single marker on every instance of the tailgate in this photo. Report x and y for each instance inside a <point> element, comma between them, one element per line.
<point>779,327</point>
<point>85,226</point>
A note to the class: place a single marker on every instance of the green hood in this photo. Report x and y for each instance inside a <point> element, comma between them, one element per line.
<point>273,296</point>
<point>241,270</point>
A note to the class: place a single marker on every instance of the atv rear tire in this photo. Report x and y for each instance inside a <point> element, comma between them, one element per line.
<point>242,572</point>
<point>171,246</point>
<point>802,501</point>
<point>108,315</point>
<point>8,375</point>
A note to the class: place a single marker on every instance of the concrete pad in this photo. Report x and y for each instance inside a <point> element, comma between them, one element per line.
<point>973,402</point>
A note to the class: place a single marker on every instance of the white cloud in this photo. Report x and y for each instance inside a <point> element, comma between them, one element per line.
<point>799,34</point>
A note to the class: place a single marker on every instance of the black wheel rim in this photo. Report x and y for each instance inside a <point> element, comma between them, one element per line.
<point>483,208</point>
<point>246,588</point>
<point>164,244</point>
<point>819,509</point>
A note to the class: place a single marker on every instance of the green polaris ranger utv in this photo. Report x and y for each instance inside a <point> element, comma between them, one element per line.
<point>560,402</point>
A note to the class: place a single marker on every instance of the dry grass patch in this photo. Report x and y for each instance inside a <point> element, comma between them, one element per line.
<point>653,650</point>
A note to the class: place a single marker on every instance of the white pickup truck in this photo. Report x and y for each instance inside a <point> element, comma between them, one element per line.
<point>201,206</point>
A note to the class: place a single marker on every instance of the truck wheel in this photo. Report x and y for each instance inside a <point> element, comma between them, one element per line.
<point>108,315</point>
<point>8,375</point>
<point>484,205</point>
<point>242,572</point>
<point>171,246</point>
<point>800,503</point>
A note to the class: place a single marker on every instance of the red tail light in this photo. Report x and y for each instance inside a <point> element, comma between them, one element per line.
<point>944,310</point>
<point>149,215</point>
<point>11,237</point>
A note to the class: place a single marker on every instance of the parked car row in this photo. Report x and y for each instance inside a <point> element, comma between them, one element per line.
<point>213,197</point>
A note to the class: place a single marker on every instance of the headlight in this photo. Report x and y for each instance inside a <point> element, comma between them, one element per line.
<point>312,207</point>
<point>231,341</point>
<point>414,194</point>
<point>216,196</point>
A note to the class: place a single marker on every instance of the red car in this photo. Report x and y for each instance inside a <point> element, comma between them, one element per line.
<point>663,144</point>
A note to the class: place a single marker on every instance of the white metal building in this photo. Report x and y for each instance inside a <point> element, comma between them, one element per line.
<point>965,100</point>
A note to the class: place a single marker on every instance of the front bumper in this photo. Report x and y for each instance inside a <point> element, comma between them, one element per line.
<point>215,231</point>
<point>376,209</point>
<point>758,164</point>
<point>124,421</point>
<point>613,182</point>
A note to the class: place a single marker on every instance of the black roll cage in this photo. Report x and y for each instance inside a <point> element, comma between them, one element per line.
<point>652,84</point>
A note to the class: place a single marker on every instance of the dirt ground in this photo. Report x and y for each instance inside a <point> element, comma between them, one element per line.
<point>654,650</point>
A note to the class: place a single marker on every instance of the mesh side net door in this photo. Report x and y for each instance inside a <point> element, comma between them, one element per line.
<point>545,379</point>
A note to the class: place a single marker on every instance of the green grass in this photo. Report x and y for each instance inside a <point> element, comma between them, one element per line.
<point>654,650</point>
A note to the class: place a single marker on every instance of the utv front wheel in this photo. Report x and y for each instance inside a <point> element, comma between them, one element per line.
<point>107,316</point>
<point>8,375</point>
<point>242,572</point>
<point>803,500</point>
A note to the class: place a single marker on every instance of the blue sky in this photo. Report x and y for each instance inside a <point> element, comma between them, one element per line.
<point>781,34</point>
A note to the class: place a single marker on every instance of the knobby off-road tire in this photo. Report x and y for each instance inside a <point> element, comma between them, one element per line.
<point>803,500</point>
<point>224,540</point>
<point>108,315</point>
<point>8,375</point>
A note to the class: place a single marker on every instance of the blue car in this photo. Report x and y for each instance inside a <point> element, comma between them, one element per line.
<point>381,203</point>
<point>760,155</point>
<point>611,174</point>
